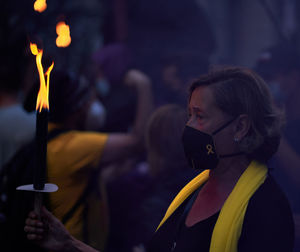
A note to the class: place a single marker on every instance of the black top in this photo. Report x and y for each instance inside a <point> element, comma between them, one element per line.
<point>281,173</point>
<point>268,226</point>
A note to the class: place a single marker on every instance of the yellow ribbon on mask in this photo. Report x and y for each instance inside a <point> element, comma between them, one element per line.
<point>228,227</point>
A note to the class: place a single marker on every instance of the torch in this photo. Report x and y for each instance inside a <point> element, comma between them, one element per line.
<point>42,110</point>
<point>40,5</point>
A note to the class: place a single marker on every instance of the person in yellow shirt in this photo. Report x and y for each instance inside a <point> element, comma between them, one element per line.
<point>75,156</point>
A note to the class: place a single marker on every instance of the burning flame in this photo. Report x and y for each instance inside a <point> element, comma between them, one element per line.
<point>42,99</point>
<point>40,5</point>
<point>63,32</point>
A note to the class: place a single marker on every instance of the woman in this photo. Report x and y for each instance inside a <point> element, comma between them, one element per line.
<point>234,204</point>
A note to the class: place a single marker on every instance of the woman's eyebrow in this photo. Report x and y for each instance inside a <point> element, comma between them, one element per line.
<point>197,109</point>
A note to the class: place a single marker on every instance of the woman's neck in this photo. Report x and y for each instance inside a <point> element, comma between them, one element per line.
<point>228,171</point>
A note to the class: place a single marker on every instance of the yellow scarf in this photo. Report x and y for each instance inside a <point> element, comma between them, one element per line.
<point>228,227</point>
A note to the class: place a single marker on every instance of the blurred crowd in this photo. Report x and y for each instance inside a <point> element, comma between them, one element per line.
<point>120,157</point>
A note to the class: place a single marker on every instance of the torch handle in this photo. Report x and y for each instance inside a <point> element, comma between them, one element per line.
<point>39,175</point>
<point>38,202</point>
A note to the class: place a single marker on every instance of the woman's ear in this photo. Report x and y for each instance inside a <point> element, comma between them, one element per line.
<point>242,127</point>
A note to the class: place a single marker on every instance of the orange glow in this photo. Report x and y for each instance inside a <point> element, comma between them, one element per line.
<point>63,32</point>
<point>40,5</point>
<point>42,99</point>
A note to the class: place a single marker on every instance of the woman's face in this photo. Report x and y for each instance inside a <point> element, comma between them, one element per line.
<point>205,116</point>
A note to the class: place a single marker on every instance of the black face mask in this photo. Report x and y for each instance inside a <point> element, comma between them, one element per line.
<point>200,149</point>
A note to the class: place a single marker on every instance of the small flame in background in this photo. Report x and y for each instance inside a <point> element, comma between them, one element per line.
<point>63,32</point>
<point>43,95</point>
<point>40,5</point>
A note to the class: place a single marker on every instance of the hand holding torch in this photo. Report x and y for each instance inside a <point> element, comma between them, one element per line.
<point>42,107</point>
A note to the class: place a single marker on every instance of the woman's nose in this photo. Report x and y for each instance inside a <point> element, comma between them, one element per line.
<point>190,122</point>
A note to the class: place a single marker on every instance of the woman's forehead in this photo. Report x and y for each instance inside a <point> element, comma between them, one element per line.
<point>202,99</point>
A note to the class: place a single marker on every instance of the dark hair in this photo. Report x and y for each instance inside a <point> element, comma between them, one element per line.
<point>163,138</point>
<point>67,95</point>
<point>239,91</point>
